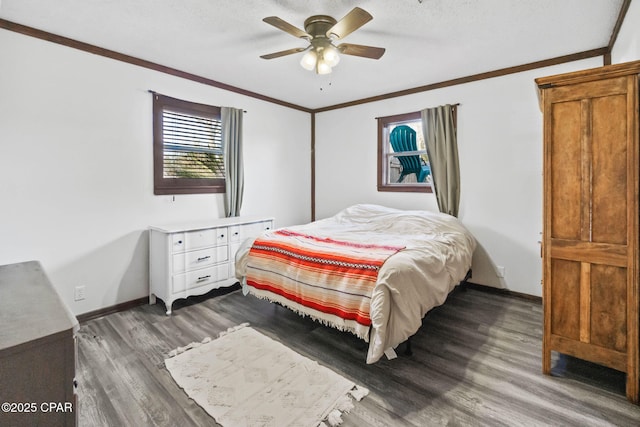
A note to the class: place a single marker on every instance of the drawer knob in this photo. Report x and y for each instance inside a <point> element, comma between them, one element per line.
<point>222,236</point>
<point>179,242</point>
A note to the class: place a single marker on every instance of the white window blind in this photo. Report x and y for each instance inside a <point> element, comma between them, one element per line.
<point>192,146</point>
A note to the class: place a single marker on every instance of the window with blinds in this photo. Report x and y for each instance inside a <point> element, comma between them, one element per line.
<point>188,151</point>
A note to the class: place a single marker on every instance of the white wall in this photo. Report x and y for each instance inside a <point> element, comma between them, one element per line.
<point>76,170</point>
<point>627,47</point>
<point>500,148</point>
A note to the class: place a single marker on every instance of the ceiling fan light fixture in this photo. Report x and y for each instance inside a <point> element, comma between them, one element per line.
<point>309,59</point>
<point>323,67</point>
<point>321,59</point>
<point>330,55</point>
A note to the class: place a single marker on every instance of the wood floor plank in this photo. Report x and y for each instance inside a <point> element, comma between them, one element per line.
<point>476,361</point>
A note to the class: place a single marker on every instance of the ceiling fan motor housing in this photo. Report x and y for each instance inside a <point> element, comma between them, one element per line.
<point>318,25</point>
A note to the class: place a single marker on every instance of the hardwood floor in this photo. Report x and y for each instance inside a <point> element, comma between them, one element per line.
<point>476,361</point>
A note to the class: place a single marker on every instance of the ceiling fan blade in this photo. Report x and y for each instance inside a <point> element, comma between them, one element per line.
<point>360,50</point>
<point>286,27</point>
<point>351,22</point>
<point>283,53</point>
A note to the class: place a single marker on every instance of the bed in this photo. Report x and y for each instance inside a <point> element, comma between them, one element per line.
<point>370,270</point>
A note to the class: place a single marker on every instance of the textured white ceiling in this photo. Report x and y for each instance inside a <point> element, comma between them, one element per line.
<point>427,41</point>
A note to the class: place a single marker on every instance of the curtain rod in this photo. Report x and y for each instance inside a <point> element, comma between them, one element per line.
<point>453,105</point>
<point>156,93</point>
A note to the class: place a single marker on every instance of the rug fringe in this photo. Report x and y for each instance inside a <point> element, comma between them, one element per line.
<point>233,329</point>
<point>180,350</point>
<point>334,418</point>
<point>343,406</point>
<point>359,392</point>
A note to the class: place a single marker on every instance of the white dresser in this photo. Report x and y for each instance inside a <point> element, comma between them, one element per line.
<point>193,258</point>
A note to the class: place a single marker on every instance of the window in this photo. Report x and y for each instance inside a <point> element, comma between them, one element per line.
<point>405,168</point>
<point>187,147</point>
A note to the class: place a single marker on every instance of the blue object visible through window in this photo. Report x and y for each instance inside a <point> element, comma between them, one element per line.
<point>188,149</point>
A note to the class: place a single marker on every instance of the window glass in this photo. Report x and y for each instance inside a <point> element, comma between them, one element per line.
<point>403,164</point>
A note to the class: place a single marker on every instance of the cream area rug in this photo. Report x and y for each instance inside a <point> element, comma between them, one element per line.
<point>244,378</point>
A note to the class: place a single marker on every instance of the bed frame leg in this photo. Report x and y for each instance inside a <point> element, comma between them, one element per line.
<point>408,351</point>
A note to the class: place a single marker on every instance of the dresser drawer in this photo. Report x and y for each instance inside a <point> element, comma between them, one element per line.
<point>192,260</point>
<point>199,239</point>
<point>239,233</point>
<point>235,233</point>
<point>197,278</point>
<point>177,242</point>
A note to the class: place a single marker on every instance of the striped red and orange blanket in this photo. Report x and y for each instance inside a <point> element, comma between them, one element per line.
<point>329,280</point>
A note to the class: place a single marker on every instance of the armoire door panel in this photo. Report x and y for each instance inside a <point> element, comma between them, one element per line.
<point>565,294</point>
<point>566,171</point>
<point>609,172</point>
<point>609,307</point>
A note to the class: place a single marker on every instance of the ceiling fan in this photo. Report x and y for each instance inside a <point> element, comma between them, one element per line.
<point>321,31</point>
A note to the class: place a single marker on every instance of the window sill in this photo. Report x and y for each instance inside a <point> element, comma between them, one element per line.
<point>405,188</point>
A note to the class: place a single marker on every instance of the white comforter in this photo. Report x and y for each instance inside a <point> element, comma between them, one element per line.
<point>437,256</point>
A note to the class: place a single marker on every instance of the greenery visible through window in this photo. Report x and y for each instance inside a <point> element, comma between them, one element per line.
<point>405,168</point>
<point>188,150</point>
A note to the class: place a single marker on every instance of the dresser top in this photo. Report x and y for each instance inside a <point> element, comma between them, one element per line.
<point>31,307</point>
<point>205,224</point>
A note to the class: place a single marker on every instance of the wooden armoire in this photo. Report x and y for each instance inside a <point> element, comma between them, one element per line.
<point>591,215</point>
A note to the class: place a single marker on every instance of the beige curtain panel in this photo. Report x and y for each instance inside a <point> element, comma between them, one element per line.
<point>439,130</point>
<point>233,160</point>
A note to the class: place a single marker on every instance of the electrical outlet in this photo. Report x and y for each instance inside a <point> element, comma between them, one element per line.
<point>500,271</point>
<point>79,293</point>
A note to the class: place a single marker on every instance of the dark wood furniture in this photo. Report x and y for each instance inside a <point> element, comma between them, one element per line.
<point>590,230</point>
<point>37,350</point>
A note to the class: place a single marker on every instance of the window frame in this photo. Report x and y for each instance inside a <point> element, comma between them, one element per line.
<point>383,172</point>
<point>162,185</point>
